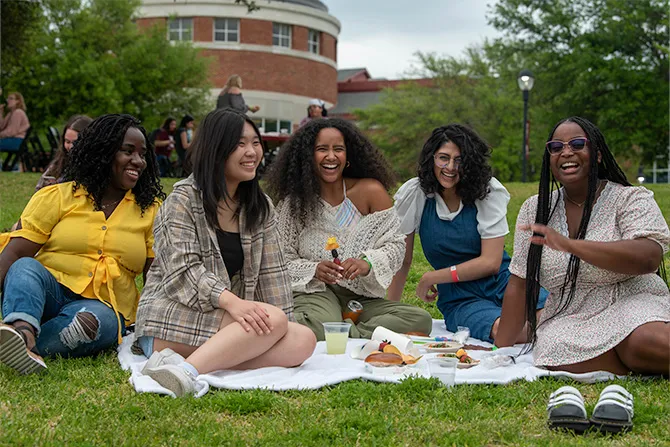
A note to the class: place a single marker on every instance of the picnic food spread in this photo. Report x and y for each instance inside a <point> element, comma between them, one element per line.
<point>464,360</point>
<point>389,355</point>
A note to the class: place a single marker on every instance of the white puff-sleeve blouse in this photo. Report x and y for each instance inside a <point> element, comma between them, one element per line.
<point>491,211</point>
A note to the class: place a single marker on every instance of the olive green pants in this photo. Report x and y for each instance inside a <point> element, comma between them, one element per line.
<point>313,309</point>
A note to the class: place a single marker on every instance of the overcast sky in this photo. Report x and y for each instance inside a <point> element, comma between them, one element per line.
<point>383,35</point>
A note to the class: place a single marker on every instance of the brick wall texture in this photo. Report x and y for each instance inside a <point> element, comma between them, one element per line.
<point>266,71</point>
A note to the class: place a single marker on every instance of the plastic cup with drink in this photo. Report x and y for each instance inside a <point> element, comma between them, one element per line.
<point>337,335</point>
<point>444,368</point>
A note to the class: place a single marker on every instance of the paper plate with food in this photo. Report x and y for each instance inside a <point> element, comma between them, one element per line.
<point>443,346</point>
<point>464,360</point>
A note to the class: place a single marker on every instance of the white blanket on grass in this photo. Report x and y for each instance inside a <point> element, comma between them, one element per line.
<point>322,370</point>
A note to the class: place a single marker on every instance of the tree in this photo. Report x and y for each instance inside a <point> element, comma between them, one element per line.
<point>18,22</point>
<point>91,58</point>
<point>606,60</point>
<point>465,91</point>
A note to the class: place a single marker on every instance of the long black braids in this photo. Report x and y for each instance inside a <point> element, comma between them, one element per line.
<point>92,155</point>
<point>605,169</point>
<point>293,174</point>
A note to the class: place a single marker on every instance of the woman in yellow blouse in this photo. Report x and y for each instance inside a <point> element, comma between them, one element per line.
<point>68,274</point>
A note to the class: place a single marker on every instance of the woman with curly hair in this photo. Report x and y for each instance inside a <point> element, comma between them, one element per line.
<point>608,310</point>
<point>68,274</point>
<point>332,181</point>
<point>459,210</point>
<point>218,295</point>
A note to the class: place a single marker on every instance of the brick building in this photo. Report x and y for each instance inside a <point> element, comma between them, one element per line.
<point>286,52</point>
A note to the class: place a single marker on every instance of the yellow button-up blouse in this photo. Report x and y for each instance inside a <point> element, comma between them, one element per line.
<point>91,255</point>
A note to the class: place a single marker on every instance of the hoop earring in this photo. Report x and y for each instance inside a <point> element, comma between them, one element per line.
<point>348,164</point>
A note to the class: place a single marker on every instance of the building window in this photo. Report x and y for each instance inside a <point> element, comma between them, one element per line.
<point>281,35</point>
<point>180,29</point>
<point>271,125</point>
<point>226,30</point>
<point>313,41</point>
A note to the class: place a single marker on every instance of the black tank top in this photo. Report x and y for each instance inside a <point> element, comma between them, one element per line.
<point>231,251</point>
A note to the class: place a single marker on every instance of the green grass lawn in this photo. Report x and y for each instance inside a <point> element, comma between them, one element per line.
<point>90,402</point>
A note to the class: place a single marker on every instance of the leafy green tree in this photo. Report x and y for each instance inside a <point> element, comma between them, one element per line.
<point>464,90</point>
<point>91,58</point>
<point>606,60</point>
<point>18,22</point>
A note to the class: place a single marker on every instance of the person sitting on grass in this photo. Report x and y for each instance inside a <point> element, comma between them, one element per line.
<point>459,210</point>
<point>54,172</point>
<point>13,125</point>
<point>183,142</point>
<point>163,145</point>
<point>218,295</point>
<point>332,181</point>
<point>68,275</point>
<point>596,243</point>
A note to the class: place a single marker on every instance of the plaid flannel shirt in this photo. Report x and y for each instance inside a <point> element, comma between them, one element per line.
<point>181,297</point>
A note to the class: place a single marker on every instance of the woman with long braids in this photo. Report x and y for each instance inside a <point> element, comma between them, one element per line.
<point>596,243</point>
<point>332,182</point>
<point>68,274</point>
<point>460,212</point>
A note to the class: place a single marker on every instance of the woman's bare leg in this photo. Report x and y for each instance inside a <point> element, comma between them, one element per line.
<point>647,349</point>
<point>231,345</point>
<point>293,349</point>
<point>609,361</point>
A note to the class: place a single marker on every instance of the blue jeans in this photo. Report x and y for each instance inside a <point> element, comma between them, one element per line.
<point>163,164</point>
<point>66,323</point>
<point>10,144</point>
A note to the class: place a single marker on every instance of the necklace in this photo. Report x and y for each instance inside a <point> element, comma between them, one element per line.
<point>104,207</point>
<point>576,203</point>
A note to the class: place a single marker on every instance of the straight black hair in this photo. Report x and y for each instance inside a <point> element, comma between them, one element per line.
<point>218,136</point>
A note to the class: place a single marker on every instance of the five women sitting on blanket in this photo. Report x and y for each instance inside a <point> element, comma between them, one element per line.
<point>332,181</point>
<point>604,240</point>
<point>92,236</point>
<point>219,294</point>
<point>459,211</point>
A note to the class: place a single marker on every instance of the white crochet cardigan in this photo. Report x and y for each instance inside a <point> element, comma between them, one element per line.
<point>377,236</point>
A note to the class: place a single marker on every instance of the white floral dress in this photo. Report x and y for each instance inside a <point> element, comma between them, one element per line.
<point>607,306</point>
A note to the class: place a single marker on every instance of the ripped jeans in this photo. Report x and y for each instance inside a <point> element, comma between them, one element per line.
<point>66,324</point>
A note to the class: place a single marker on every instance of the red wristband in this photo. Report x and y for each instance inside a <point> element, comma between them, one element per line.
<point>454,274</point>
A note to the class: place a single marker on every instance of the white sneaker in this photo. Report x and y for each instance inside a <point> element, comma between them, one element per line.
<point>174,378</point>
<point>15,354</point>
<point>165,357</point>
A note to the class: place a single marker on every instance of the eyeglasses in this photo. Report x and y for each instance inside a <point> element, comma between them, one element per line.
<point>442,161</point>
<point>576,144</point>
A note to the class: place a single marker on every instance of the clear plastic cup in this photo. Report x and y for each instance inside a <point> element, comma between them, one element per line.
<point>337,335</point>
<point>444,368</point>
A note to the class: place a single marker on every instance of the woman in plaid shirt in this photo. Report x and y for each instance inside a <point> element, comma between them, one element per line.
<point>218,295</point>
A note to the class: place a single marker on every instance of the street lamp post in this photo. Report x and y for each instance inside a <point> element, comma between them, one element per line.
<point>526,81</point>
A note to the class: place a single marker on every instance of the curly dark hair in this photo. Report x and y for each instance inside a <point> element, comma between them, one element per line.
<point>293,174</point>
<point>92,155</point>
<point>475,171</point>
